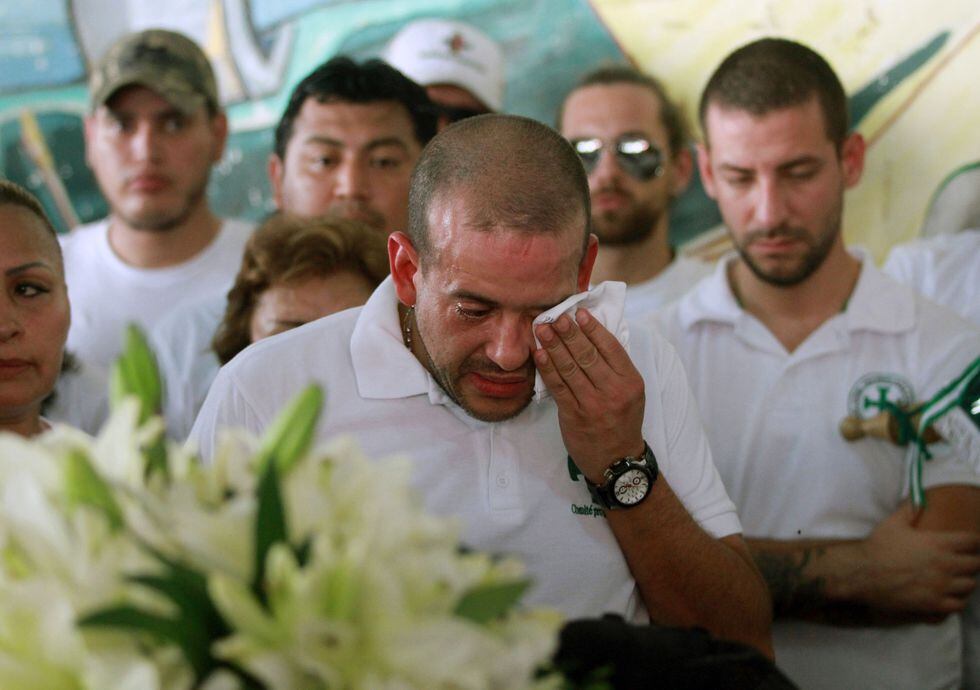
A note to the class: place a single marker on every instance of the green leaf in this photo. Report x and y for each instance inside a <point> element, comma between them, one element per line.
<point>198,622</point>
<point>135,373</point>
<point>84,486</point>
<point>485,603</point>
<point>156,458</point>
<point>194,629</point>
<point>291,433</point>
<point>270,525</point>
<point>132,618</point>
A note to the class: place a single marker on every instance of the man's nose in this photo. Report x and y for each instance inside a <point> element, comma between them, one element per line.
<point>351,181</point>
<point>771,210</point>
<point>511,344</point>
<point>606,169</point>
<point>145,142</point>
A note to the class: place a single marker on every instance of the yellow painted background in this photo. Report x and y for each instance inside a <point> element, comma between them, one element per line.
<point>918,134</point>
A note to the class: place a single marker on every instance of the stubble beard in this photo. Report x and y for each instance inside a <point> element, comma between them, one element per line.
<point>358,211</point>
<point>819,250</point>
<point>448,377</point>
<point>165,221</point>
<point>627,227</point>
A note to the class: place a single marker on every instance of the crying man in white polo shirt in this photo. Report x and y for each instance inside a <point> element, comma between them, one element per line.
<point>441,364</point>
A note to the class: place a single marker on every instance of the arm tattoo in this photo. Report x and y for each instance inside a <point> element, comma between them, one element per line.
<point>798,595</point>
<point>794,593</point>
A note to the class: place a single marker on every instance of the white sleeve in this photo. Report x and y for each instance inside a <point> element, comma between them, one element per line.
<point>225,407</point>
<point>901,265</point>
<point>950,346</point>
<point>688,466</point>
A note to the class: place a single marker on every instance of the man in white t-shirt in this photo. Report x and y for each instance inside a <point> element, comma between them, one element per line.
<point>633,143</point>
<point>945,268</point>
<point>787,338</point>
<point>440,364</point>
<point>345,146</point>
<point>154,133</point>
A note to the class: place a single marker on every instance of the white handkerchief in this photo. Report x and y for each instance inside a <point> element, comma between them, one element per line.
<point>605,302</point>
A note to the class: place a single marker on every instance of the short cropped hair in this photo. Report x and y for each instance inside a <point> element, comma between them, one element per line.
<point>671,116</point>
<point>516,173</point>
<point>773,74</point>
<point>342,80</point>
<point>285,249</point>
<point>13,194</point>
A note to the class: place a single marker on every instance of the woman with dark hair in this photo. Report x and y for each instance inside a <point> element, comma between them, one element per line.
<point>34,311</point>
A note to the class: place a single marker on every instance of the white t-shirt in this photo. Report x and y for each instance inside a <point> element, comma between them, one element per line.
<point>106,293</point>
<point>944,268</point>
<point>672,283</point>
<point>81,398</point>
<point>188,365</point>
<point>509,483</point>
<point>772,419</point>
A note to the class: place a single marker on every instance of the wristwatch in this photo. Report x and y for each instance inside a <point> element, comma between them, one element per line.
<point>628,481</point>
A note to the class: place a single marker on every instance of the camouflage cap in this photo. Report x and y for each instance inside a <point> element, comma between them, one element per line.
<point>165,61</point>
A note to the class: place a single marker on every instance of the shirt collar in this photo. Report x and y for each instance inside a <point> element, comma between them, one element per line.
<point>383,366</point>
<point>712,300</point>
<point>879,303</point>
<point>876,304</point>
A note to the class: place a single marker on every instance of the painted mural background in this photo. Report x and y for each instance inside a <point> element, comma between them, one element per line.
<point>909,66</point>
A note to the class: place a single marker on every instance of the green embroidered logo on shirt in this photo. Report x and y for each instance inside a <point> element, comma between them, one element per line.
<point>877,392</point>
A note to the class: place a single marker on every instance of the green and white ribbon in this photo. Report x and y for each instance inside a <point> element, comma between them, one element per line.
<point>954,412</point>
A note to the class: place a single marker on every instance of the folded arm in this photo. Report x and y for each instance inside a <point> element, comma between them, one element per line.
<point>911,568</point>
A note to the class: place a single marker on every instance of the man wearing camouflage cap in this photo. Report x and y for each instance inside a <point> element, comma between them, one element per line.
<point>154,132</point>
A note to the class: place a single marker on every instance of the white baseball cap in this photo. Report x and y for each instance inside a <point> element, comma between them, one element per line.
<point>445,51</point>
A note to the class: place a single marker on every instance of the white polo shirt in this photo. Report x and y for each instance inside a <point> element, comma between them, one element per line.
<point>509,482</point>
<point>106,293</point>
<point>672,283</point>
<point>944,268</point>
<point>772,419</point>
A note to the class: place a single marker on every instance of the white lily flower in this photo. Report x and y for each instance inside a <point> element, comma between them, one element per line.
<point>364,592</point>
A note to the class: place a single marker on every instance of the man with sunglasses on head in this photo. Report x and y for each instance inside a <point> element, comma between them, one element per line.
<point>461,68</point>
<point>632,140</point>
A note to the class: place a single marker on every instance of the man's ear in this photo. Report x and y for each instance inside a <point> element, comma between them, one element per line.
<point>404,263</point>
<point>219,130</point>
<point>704,167</point>
<point>683,169</point>
<point>588,261</point>
<point>852,158</point>
<point>275,168</point>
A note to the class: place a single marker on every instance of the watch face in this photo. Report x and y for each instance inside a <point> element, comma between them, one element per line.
<point>631,487</point>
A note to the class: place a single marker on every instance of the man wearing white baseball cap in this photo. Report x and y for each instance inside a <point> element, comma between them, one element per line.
<point>461,68</point>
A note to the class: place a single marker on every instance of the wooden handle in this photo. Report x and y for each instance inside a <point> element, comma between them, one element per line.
<point>883,425</point>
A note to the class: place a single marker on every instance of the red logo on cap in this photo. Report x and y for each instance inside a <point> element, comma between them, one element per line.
<point>456,43</point>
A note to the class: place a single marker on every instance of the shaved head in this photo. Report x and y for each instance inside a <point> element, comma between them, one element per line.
<point>511,172</point>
